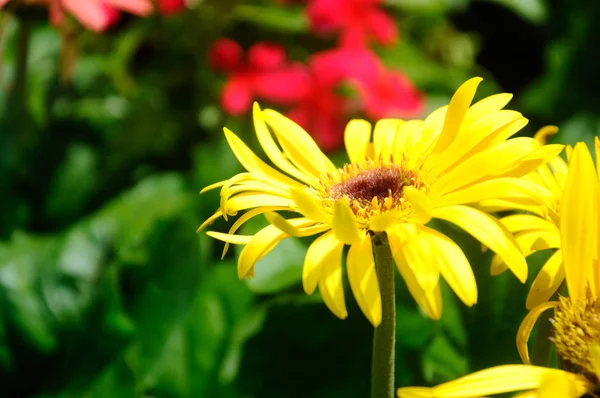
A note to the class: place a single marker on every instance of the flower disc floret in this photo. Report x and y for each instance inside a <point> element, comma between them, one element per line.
<point>576,330</point>
<point>371,188</point>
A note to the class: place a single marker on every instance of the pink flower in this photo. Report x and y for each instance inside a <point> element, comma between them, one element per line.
<point>98,15</point>
<point>357,21</point>
<point>264,73</point>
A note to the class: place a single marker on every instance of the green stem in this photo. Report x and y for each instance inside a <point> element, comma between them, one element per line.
<point>384,339</point>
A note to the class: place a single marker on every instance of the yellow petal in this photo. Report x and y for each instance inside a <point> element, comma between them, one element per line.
<point>548,180</point>
<point>356,138</point>
<point>597,150</point>
<point>460,102</point>
<point>307,205</point>
<point>525,204</point>
<point>213,186</point>
<point>384,134</point>
<point>579,207</point>
<point>424,142</point>
<point>405,146</point>
<point>416,392</point>
<point>272,150</point>
<point>537,239</point>
<point>298,145</point>
<point>325,249</point>
<point>532,161</point>
<point>210,220</point>
<point>470,139</point>
<point>384,221</point>
<point>416,269</point>
<point>488,231</point>
<point>344,223</point>
<point>527,326</point>
<point>417,249</point>
<point>253,163</point>
<point>363,279</point>
<point>331,288</point>
<point>234,239</point>
<point>454,266</point>
<point>421,204</point>
<point>490,162</point>
<point>547,281</point>
<point>524,222</point>
<point>260,244</point>
<point>507,378</point>
<point>542,134</point>
<point>500,135</point>
<point>497,266</point>
<point>251,187</point>
<point>498,188</point>
<point>244,218</point>
<point>559,385</point>
<point>249,200</point>
<point>286,225</point>
<point>487,105</point>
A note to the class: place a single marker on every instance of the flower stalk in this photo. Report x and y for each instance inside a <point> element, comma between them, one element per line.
<point>384,339</point>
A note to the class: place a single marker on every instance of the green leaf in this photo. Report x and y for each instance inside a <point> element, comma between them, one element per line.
<point>20,262</point>
<point>429,6</point>
<point>580,127</point>
<point>202,355</point>
<point>451,321</point>
<point>534,11</point>
<point>280,269</point>
<point>280,19</point>
<point>442,361</point>
<point>413,329</point>
<point>244,329</point>
<point>423,71</point>
<point>128,220</point>
<point>74,182</point>
<point>168,287</point>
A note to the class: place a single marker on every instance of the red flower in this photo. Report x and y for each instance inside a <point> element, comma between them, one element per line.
<point>168,7</point>
<point>382,93</point>
<point>391,94</point>
<point>356,20</point>
<point>311,91</point>
<point>264,73</point>
<point>322,112</point>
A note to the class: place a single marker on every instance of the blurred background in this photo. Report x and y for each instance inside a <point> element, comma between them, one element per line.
<point>111,116</point>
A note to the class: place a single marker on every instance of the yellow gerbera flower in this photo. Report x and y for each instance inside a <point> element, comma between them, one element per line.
<point>577,318</point>
<point>411,172</point>
<point>540,230</point>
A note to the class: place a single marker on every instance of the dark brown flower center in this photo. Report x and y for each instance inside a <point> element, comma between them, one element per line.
<point>382,182</point>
